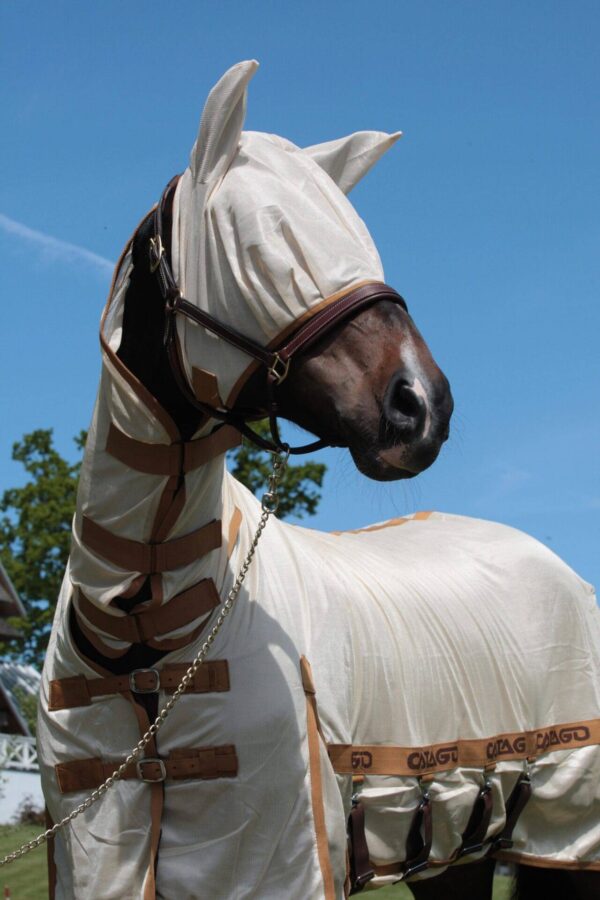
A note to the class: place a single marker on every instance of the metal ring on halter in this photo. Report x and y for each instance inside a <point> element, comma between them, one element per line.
<point>156,252</point>
<point>274,374</point>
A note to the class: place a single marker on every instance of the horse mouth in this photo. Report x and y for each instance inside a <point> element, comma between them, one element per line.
<point>395,463</point>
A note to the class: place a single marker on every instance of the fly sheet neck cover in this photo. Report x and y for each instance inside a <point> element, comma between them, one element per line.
<point>263,233</point>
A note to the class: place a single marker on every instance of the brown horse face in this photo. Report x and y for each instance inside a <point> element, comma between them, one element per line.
<point>371,385</point>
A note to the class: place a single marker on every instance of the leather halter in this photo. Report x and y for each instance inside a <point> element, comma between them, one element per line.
<point>276,362</point>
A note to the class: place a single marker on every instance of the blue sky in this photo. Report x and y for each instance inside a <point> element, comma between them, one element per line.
<point>486,214</point>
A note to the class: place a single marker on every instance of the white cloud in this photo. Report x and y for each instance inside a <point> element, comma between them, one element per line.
<point>53,248</point>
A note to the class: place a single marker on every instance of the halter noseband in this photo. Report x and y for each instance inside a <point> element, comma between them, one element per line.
<point>277,362</point>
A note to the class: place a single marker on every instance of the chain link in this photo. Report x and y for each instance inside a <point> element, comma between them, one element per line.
<point>269,504</point>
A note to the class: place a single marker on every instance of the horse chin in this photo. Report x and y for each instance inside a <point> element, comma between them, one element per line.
<point>391,464</point>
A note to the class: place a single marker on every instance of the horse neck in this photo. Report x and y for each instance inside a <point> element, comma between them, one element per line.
<point>139,407</point>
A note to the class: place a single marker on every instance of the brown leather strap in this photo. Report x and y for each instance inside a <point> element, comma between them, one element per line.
<point>347,305</point>
<point>474,835</point>
<point>201,762</point>
<point>361,870</point>
<point>170,459</point>
<point>67,693</point>
<point>147,624</point>
<point>515,805</point>
<point>419,839</point>
<point>134,556</point>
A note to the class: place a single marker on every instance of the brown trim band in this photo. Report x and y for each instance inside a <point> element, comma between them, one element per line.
<point>377,759</point>
<point>170,459</point>
<point>401,520</point>
<point>316,783</point>
<point>67,693</point>
<point>134,556</point>
<point>149,623</point>
<point>191,762</point>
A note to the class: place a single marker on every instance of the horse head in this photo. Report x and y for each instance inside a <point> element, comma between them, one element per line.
<point>264,239</point>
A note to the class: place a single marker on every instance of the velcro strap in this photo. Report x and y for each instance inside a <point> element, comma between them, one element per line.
<point>202,762</point>
<point>210,677</point>
<point>134,556</point>
<point>171,459</point>
<point>147,624</point>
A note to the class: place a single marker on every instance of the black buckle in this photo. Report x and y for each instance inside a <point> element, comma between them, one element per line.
<point>360,880</point>
<point>501,844</point>
<point>412,870</point>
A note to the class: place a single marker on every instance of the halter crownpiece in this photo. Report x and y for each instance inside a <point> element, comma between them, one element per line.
<point>276,361</point>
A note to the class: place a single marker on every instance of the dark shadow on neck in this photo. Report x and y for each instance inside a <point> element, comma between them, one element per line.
<point>142,348</point>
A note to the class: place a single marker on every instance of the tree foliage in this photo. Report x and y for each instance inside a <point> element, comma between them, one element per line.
<point>35,524</point>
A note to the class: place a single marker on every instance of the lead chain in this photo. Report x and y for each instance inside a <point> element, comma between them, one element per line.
<point>269,504</point>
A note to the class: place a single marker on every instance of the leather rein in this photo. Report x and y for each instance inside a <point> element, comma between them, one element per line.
<point>276,362</point>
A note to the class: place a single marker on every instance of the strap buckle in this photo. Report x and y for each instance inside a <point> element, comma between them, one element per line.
<point>152,760</point>
<point>156,251</point>
<point>133,686</point>
<point>279,368</point>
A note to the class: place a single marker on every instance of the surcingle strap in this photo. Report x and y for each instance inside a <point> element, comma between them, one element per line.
<point>149,559</point>
<point>170,459</point>
<point>479,821</point>
<point>419,838</point>
<point>515,805</point>
<point>361,870</point>
<point>146,624</point>
<point>68,693</point>
<point>191,762</point>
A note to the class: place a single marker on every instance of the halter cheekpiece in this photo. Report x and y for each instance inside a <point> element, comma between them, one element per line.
<point>276,361</point>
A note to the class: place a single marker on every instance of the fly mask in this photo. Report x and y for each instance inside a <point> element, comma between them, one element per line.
<point>267,253</point>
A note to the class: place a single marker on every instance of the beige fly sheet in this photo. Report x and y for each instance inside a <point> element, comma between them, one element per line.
<point>418,663</point>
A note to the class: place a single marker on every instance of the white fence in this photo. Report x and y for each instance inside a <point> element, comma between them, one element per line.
<point>18,753</point>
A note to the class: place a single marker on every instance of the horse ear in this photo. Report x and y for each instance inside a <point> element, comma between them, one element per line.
<point>221,123</point>
<point>348,159</point>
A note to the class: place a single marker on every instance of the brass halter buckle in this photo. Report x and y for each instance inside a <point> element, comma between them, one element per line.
<point>279,368</point>
<point>156,251</point>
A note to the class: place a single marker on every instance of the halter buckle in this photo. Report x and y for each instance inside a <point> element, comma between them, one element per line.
<point>279,368</point>
<point>156,251</point>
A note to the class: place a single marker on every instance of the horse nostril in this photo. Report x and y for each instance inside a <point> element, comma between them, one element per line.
<point>406,401</point>
<point>403,407</point>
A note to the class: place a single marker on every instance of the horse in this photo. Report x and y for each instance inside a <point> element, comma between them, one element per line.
<point>410,701</point>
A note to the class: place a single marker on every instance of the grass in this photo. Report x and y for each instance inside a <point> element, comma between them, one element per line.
<point>27,877</point>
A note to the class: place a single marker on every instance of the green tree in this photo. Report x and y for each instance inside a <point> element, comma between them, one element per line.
<point>35,537</point>
<point>300,488</point>
<point>35,524</point>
